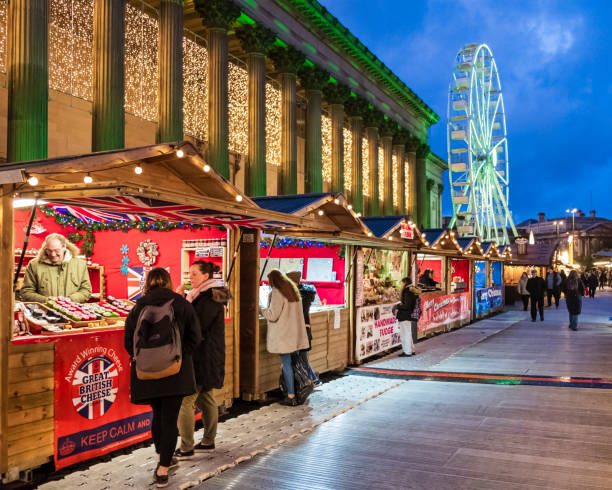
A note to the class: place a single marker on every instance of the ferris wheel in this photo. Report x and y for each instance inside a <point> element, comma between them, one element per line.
<point>478,147</point>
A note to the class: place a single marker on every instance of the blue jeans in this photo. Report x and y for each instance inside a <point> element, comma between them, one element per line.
<point>304,356</point>
<point>573,321</point>
<point>288,373</point>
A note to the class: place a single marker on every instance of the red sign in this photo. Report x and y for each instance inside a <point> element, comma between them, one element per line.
<point>93,413</point>
<point>442,310</point>
<point>407,231</point>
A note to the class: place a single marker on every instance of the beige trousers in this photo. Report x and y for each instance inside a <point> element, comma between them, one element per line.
<point>205,401</point>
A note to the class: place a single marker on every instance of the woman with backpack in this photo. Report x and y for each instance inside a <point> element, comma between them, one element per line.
<point>161,332</point>
<point>208,358</point>
<point>407,316</point>
<point>286,327</point>
<point>574,291</point>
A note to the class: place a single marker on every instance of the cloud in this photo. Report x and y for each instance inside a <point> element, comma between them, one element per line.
<point>552,38</point>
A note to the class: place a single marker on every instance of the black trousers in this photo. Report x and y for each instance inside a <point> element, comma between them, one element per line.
<point>557,295</point>
<point>537,304</point>
<point>525,298</point>
<point>592,291</point>
<point>549,295</point>
<point>164,428</point>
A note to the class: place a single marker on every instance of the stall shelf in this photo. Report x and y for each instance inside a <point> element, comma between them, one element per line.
<point>336,224</point>
<point>170,188</point>
<point>443,309</point>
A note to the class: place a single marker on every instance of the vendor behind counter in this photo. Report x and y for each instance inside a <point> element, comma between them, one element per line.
<point>56,271</point>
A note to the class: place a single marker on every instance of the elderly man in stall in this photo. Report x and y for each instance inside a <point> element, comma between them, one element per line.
<point>56,271</point>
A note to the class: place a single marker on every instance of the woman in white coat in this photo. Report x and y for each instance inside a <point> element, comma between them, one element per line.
<point>286,327</point>
<point>522,290</point>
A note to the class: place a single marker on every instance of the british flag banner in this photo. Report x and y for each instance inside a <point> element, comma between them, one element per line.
<point>131,207</point>
<point>136,281</point>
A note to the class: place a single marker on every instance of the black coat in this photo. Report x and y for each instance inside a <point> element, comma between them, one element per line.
<point>182,383</point>
<point>406,307</point>
<point>308,294</point>
<point>209,355</point>
<point>573,299</point>
<point>536,287</point>
<point>593,282</point>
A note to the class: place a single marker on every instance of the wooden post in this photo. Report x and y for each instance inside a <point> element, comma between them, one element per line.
<point>6,312</point>
<point>234,287</point>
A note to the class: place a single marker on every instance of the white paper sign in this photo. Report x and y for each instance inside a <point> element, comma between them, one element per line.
<point>336,318</point>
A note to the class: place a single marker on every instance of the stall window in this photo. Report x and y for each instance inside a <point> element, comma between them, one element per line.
<point>434,263</point>
<point>480,274</point>
<point>383,271</point>
<point>460,275</point>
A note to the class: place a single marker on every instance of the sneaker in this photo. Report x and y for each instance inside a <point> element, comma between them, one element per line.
<point>181,455</point>
<point>160,481</point>
<point>289,402</point>
<point>204,448</point>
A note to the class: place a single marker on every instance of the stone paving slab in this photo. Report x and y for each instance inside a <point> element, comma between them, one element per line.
<point>238,439</point>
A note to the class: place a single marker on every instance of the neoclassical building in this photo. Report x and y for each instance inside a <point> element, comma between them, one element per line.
<point>278,95</point>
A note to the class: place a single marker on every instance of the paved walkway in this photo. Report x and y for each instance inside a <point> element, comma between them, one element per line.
<point>363,431</point>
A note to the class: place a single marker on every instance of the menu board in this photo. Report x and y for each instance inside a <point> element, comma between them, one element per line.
<point>291,264</point>
<point>321,270</point>
<point>271,264</point>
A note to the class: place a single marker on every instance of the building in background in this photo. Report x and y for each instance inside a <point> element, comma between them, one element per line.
<point>278,95</point>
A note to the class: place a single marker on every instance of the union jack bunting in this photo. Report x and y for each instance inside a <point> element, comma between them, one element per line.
<point>137,208</point>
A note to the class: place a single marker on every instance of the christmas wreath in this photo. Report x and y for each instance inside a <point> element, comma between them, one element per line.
<point>147,252</point>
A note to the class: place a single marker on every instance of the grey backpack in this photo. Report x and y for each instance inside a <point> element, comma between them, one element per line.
<point>157,342</point>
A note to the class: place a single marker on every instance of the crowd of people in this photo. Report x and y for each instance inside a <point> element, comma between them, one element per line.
<point>534,289</point>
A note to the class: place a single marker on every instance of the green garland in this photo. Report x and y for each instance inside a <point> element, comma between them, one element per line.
<point>89,239</point>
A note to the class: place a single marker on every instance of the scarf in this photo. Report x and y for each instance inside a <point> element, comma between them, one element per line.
<point>195,292</point>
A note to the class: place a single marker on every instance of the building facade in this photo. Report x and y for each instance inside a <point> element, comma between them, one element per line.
<point>278,95</point>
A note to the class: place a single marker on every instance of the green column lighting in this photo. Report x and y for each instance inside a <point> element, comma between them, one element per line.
<point>355,108</point>
<point>422,186</point>
<point>387,130</point>
<point>313,79</point>
<point>256,40</point>
<point>372,121</point>
<point>27,80</point>
<point>335,95</point>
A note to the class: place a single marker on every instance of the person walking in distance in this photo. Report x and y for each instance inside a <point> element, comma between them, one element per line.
<point>162,326</point>
<point>208,300</point>
<point>408,320</point>
<point>308,294</point>
<point>550,280</point>
<point>536,287</point>
<point>574,291</point>
<point>522,290</point>
<point>602,279</point>
<point>593,283</point>
<point>557,280</point>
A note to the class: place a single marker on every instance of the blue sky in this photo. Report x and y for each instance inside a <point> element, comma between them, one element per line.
<point>554,60</point>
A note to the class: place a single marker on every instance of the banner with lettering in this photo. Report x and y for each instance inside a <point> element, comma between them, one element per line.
<point>486,299</point>
<point>93,414</point>
<point>377,330</point>
<point>440,311</point>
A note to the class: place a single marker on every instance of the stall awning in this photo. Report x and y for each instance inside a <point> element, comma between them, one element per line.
<point>490,249</point>
<point>471,246</point>
<point>442,240</point>
<point>166,182</point>
<point>395,228</point>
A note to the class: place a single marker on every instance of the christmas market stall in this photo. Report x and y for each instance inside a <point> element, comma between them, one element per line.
<point>64,387</point>
<point>379,270</point>
<point>523,257</point>
<point>488,289</point>
<point>443,272</point>
<point>322,252</point>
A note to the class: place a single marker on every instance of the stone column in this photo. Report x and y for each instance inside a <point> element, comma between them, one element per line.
<point>422,193</point>
<point>256,41</point>
<point>313,79</point>
<point>387,130</point>
<point>108,107</point>
<point>355,108</point>
<point>399,145</point>
<point>170,110</point>
<point>287,61</point>
<point>217,16</point>
<point>428,219</point>
<point>440,191</point>
<point>335,95</point>
<point>411,181</point>
<point>372,121</point>
<point>27,80</point>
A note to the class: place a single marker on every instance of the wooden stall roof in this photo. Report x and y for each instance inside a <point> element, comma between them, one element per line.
<point>539,254</point>
<point>390,228</point>
<point>490,250</point>
<point>175,184</point>
<point>442,241</point>
<point>470,246</point>
<point>505,252</point>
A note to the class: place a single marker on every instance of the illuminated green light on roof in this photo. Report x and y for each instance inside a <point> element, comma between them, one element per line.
<point>333,66</point>
<point>281,26</point>
<point>355,65</point>
<point>353,82</point>
<point>335,48</point>
<point>353,94</point>
<point>280,42</point>
<point>385,106</point>
<point>333,80</point>
<point>309,47</point>
<point>370,106</point>
<point>244,19</point>
<point>252,3</point>
<point>308,63</point>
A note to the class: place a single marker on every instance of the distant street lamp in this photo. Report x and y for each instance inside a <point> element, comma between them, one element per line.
<point>573,211</point>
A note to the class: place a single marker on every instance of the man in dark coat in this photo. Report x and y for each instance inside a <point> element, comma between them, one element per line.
<point>593,282</point>
<point>536,287</point>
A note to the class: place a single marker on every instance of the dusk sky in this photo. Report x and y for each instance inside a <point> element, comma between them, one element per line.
<point>554,63</point>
